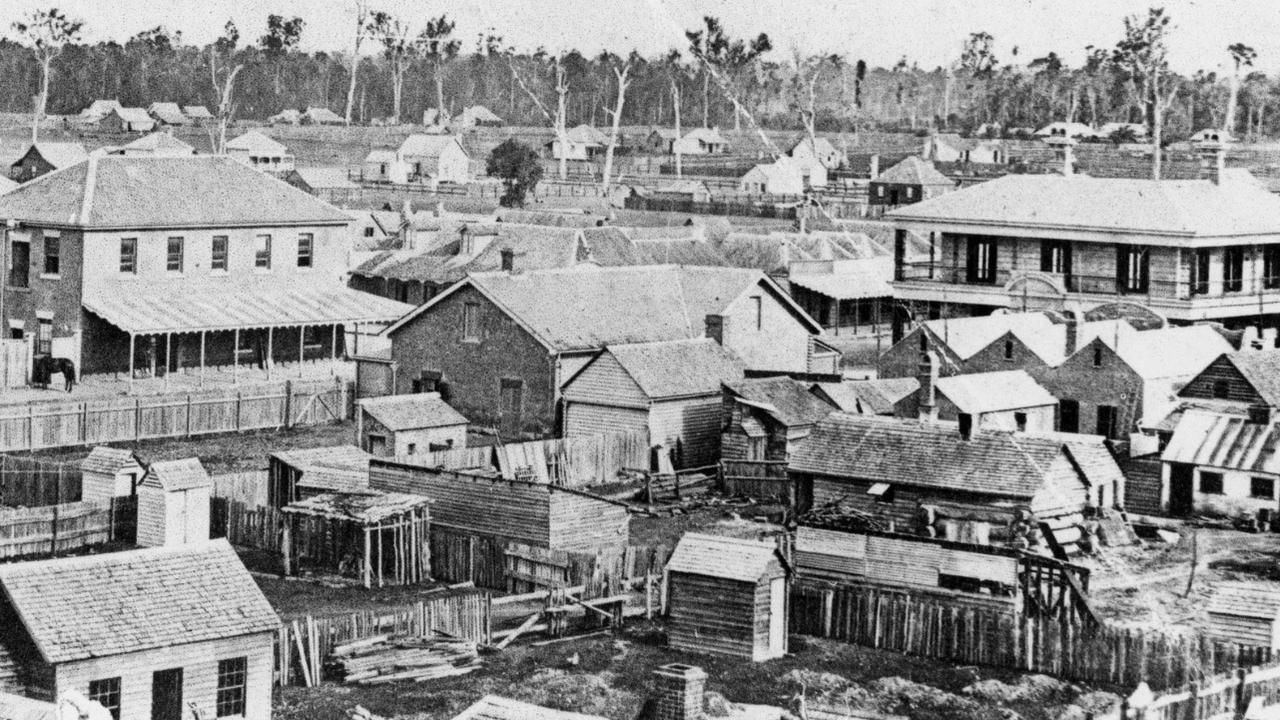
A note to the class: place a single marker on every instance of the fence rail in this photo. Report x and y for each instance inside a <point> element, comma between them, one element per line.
<point>58,529</point>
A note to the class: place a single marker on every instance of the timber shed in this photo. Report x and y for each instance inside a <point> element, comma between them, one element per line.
<point>372,536</point>
<point>109,473</point>
<point>727,596</point>
<point>173,503</point>
<point>1245,614</point>
<point>296,474</point>
<point>409,424</point>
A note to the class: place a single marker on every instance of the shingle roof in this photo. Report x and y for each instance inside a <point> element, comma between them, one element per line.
<point>135,192</point>
<point>363,507</point>
<point>722,557</point>
<point>1244,600</point>
<point>909,452</point>
<point>1261,369</point>
<point>1091,454</point>
<point>614,246</point>
<point>255,142</point>
<point>493,707</point>
<point>877,396</point>
<point>787,400</point>
<point>174,475</point>
<point>347,457</point>
<point>177,306</point>
<point>994,391</point>
<point>914,171</point>
<point>108,460</point>
<point>678,368</point>
<point>1222,440</point>
<point>413,411</point>
<point>1188,208</point>
<point>124,602</point>
<point>61,154</point>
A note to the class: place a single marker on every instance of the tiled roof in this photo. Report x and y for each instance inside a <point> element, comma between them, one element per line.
<point>914,171</point>
<point>125,602</point>
<point>787,400</point>
<point>255,142</point>
<point>174,475</point>
<point>413,411</point>
<point>1261,369</point>
<point>1188,208</point>
<point>135,192</point>
<point>994,391</point>
<point>877,396</point>
<point>677,368</point>
<point>933,455</point>
<point>62,154</point>
<point>108,460</point>
<point>1222,440</point>
<point>176,306</point>
<point>1244,600</point>
<point>363,507</point>
<point>722,557</point>
<point>493,707</point>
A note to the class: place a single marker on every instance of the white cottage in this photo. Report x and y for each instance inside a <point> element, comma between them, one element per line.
<point>439,158</point>
<point>173,503</point>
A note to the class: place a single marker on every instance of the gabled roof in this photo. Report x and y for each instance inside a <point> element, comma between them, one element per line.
<point>786,400</point>
<point>60,154</point>
<point>493,707</point>
<point>777,170</point>
<point>320,114</point>
<point>777,251</point>
<point>1223,440</point>
<point>613,246</point>
<point>820,147</point>
<point>255,143</point>
<point>440,260</point>
<point>108,460</point>
<point>585,135</point>
<point>1242,599</point>
<point>933,455</point>
<point>676,368</point>
<point>878,396</point>
<point>1186,208</point>
<point>124,602</point>
<point>994,391</point>
<point>915,171</point>
<point>99,108</point>
<point>413,411</point>
<point>421,145</point>
<point>288,115</point>
<point>710,136</point>
<point>1091,455</point>
<point>175,475</point>
<point>567,310</point>
<point>199,112</point>
<point>479,113</point>
<point>723,557</point>
<point>1261,369</point>
<point>1169,352</point>
<point>665,133</point>
<point>158,143</point>
<point>168,113</point>
<point>966,336</point>
<point>135,192</point>
<point>133,115</point>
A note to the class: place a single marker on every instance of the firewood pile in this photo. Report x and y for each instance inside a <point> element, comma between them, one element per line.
<point>839,515</point>
<point>386,658</point>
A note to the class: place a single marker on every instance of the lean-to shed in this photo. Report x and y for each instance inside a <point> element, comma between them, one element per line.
<point>1245,614</point>
<point>727,596</point>
<point>173,503</point>
<point>108,473</point>
<point>295,474</point>
<point>375,537</point>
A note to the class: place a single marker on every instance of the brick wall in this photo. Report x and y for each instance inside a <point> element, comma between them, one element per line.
<point>678,692</point>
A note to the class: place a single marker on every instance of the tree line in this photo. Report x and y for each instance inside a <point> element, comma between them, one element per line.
<point>408,65</point>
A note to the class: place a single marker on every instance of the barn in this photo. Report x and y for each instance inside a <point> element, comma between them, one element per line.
<point>1244,614</point>
<point>108,473</point>
<point>409,424</point>
<point>727,596</point>
<point>670,388</point>
<point>173,503</point>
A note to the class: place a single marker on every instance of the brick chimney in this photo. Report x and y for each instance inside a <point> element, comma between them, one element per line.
<point>717,328</point>
<point>1213,157</point>
<point>1073,336</point>
<point>1064,150</point>
<point>928,376</point>
<point>678,692</point>
<point>508,259</point>
<point>967,426</point>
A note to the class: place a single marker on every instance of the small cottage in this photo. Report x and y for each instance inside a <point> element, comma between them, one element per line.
<point>409,424</point>
<point>127,120</point>
<point>322,116</point>
<point>385,165</point>
<point>671,389</point>
<point>198,114</point>
<point>727,596</point>
<point>702,141</point>
<point>1007,400</point>
<point>109,473</point>
<point>661,140</point>
<point>476,116</point>
<point>173,503</point>
<point>175,633</point>
<point>288,116</point>
<point>767,418</point>
<point>683,190</point>
<point>45,157</point>
<point>1244,614</point>
<point>910,181</point>
<point>775,178</point>
<point>819,149</point>
<point>582,142</point>
<point>1222,463</point>
<point>436,158</point>
<point>97,110</point>
<point>331,184</point>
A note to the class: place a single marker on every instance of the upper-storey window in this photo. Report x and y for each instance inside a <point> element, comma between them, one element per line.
<point>306,243</point>
<point>981,265</point>
<point>1271,266</point>
<point>1233,269</point>
<point>218,255</point>
<point>129,255</point>
<point>1132,271</point>
<point>174,255</point>
<point>262,252</point>
<point>1200,272</point>
<point>52,254</point>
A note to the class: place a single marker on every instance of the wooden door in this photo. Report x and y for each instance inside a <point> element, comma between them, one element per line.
<point>1182,478</point>
<point>778,617</point>
<point>166,694</point>
<point>511,406</point>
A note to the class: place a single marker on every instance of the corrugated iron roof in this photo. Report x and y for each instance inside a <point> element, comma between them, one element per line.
<point>1245,600</point>
<point>722,557</point>
<point>1220,440</point>
<point>853,280</point>
<point>412,411</point>
<point>124,602</point>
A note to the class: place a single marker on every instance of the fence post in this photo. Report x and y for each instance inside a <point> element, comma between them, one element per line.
<point>238,396</point>
<point>137,419</point>
<point>1242,701</point>
<point>288,404</point>
<point>188,415</point>
<point>84,423</point>
<point>31,426</point>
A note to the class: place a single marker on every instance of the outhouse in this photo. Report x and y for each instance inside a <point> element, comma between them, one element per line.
<point>727,596</point>
<point>110,473</point>
<point>1245,614</point>
<point>409,424</point>
<point>173,503</point>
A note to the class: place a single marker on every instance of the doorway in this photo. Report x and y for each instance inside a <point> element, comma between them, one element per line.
<point>166,694</point>
<point>1182,478</point>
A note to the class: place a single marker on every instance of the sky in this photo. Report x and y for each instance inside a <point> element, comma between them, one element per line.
<point>930,32</point>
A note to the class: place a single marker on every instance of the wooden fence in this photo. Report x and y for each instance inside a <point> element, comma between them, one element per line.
<point>938,628</point>
<point>40,425</point>
<point>605,573</point>
<point>302,644</point>
<point>760,479</point>
<point>35,482</point>
<point>250,526</point>
<point>569,462</point>
<point>460,556</point>
<point>247,488</point>
<point>1224,695</point>
<point>57,529</point>
<point>768,210</point>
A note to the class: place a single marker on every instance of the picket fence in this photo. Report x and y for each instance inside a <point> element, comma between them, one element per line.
<point>56,529</point>
<point>760,479</point>
<point>932,627</point>
<point>303,643</point>
<point>42,425</point>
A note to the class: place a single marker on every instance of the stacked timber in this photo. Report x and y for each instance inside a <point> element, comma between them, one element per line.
<point>386,658</point>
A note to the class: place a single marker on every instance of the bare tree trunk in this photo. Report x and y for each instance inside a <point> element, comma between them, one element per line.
<point>706,95</point>
<point>439,76</point>
<point>562,92</point>
<point>621,75</point>
<point>355,59</point>
<point>397,86</point>
<point>1229,122</point>
<point>675,105</point>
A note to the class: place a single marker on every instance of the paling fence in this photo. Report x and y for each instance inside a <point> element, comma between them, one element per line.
<point>34,482</point>
<point>760,479</point>
<point>1224,695</point>
<point>42,425</point>
<point>568,462</point>
<point>34,532</point>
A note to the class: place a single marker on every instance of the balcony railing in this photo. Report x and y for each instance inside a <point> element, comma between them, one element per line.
<point>1094,284</point>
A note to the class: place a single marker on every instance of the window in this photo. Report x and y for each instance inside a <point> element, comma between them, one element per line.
<point>107,694</point>
<point>1221,390</point>
<point>231,684</point>
<point>427,381</point>
<point>1271,267</point>
<point>911,193</point>
<point>1200,272</point>
<point>981,267</point>
<point>1106,426</point>
<point>311,338</point>
<point>174,255</point>
<point>129,255</point>
<point>1233,269</point>
<point>755,448</point>
<point>52,254</point>
<point>1132,272</point>
<point>20,264</point>
<point>1069,416</point>
<point>1020,420</point>
<point>413,448</point>
<point>368,231</point>
<point>879,191</point>
<point>377,444</point>
<point>1210,483</point>
<point>882,492</point>
<point>757,305</point>
<point>471,322</point>
<point>1055,257</point>
<point>262,251</point>
<point>1261,487</point>
<point>1008,349</point>
<point>1097,355</point>
<point>305,243</point>
<point>44,340</point>
<point>218,256</point>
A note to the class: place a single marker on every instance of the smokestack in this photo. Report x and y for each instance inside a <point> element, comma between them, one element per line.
<point>716,327</point>
<point>678,689</point>
<point>508,259</point>
<point>928,395</point>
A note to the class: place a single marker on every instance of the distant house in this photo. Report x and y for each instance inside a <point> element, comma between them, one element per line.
<point>173,503</point>
<point>768,418</point>
<point>727,596</point>
<point>167,113</point>
<point>331,184</point>
<point>198,114</point>
<point>775,178</point>
<point>1073,130</point>
<point>409,424</point>
<point>1244,379</point>
<point>127,120</point>
<point>910,181</point>
<point>670,388</point>
<point>386,165</point>
<point>702,141</point>
<point>155,634</point>
<point>1211,135</point>
<point>46,157</point>
<point>97,110</point>
<point>261,152</point>
<point>476,116</point>
<point>695,191</point>
<point>951,148</point>
<point>439,158</point>
<point>1223,464</point>
<point>505,342</point>
<point>1007,400</point>
<point>662,140</point>
<point>322,116</point>
<point>579,143</point>
<point>1246,614</point>
<point>288,116</point>
<point>821,150</point>
<point>156,144</point>
<point>812,170</point>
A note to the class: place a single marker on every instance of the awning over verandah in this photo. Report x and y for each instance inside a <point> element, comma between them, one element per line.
<point>172,308</point>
